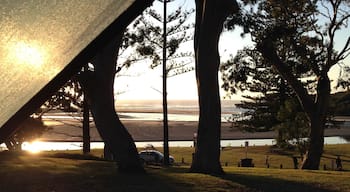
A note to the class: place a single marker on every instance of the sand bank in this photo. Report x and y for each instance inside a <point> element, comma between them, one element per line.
<point>153,131</point>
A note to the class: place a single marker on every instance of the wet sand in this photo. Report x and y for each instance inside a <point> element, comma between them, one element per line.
<point>153,131</point>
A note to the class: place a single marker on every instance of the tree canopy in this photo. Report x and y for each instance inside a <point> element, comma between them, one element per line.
<point>297,39</point>
<point>144,36</point>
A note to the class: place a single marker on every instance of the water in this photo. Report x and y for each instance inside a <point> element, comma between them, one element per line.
<point>179,110</point>
<point>227,106</point>
<point>53,146</point>
<point>159,117</point>
<point>151,111</point>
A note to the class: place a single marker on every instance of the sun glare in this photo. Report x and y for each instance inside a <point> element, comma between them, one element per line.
<point>33,147</point>
<point>29,54</point>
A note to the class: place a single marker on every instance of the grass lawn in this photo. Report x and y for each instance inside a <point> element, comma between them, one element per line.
<point>231,156</point>
<point>50,172</point>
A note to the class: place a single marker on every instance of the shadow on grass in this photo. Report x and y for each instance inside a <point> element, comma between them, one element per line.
<point>265,183</point>
<point>75,156</point>
<point>28,173</point>
<point>11,155</point>
<point>105,177</point>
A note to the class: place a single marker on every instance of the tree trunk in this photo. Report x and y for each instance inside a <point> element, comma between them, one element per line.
<point>210,15</point>
<point>318,120</point>
<point>86,126</point>
<point>100,91</point>
<point>315,149</point>
<point>315,110</point>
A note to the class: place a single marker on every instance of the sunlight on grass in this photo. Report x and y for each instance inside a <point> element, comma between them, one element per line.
<point>55,171</point>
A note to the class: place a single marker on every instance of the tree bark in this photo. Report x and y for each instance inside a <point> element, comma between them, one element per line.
<point>318,120</point>
<point>86,126</point>
<point>210,16</point>
<point>99,86</point>
<point>100,91</point>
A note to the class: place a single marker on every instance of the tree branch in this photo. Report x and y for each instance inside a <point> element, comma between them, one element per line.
<point>345,51</point>
<point>268,51</point>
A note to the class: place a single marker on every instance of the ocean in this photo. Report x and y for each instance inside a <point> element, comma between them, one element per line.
<point>148,110</point>
<point>178,110</point>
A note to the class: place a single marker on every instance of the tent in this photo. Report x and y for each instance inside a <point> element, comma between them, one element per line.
<point>43,43</point>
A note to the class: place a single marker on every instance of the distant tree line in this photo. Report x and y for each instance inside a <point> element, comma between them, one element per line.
<point>340,104</point>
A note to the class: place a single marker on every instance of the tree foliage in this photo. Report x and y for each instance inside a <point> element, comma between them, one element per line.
<point>340,104</point>
<point>275,106</point>
<point>259,114</point>
<point>297,38</point>
<point>293,127</point>
<point>69,98</point>
<point>247,71</point>
<point>145,36</point>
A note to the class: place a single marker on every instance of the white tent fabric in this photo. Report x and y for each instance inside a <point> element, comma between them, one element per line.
<point>39,38</point>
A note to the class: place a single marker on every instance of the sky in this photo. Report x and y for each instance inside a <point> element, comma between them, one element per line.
<point>139,82</point>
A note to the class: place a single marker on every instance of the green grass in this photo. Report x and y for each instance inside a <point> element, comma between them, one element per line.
<point>70,172</point>
<point>262,179</point>
<point>231,156</point>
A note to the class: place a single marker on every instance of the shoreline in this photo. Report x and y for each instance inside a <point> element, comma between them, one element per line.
<point>153,131</point>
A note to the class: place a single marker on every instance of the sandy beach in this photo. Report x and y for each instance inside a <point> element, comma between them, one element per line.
<point>68,130</point>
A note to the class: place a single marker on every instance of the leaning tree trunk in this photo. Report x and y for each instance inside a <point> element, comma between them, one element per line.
<point>99,86</point>
<point>316,110</point>
<point>210,15</point>
<point>317,120</point>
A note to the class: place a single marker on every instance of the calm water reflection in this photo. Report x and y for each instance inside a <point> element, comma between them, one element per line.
<point>48,146</point>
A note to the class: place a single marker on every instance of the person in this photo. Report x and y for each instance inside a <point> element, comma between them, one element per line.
<point>338,163</point>
<point>295,162</point>
<point>267,161</point>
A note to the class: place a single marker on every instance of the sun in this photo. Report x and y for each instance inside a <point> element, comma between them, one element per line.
<point>33,147</point>
<point>29,54</point>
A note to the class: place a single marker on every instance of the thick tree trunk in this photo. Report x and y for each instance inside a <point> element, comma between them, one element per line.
<point>210,15</point>
<point>315,149</point>
<point>318,120</point>
<point>100,91</point>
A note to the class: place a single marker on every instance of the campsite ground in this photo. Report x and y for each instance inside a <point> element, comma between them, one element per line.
<point>70,171</point>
